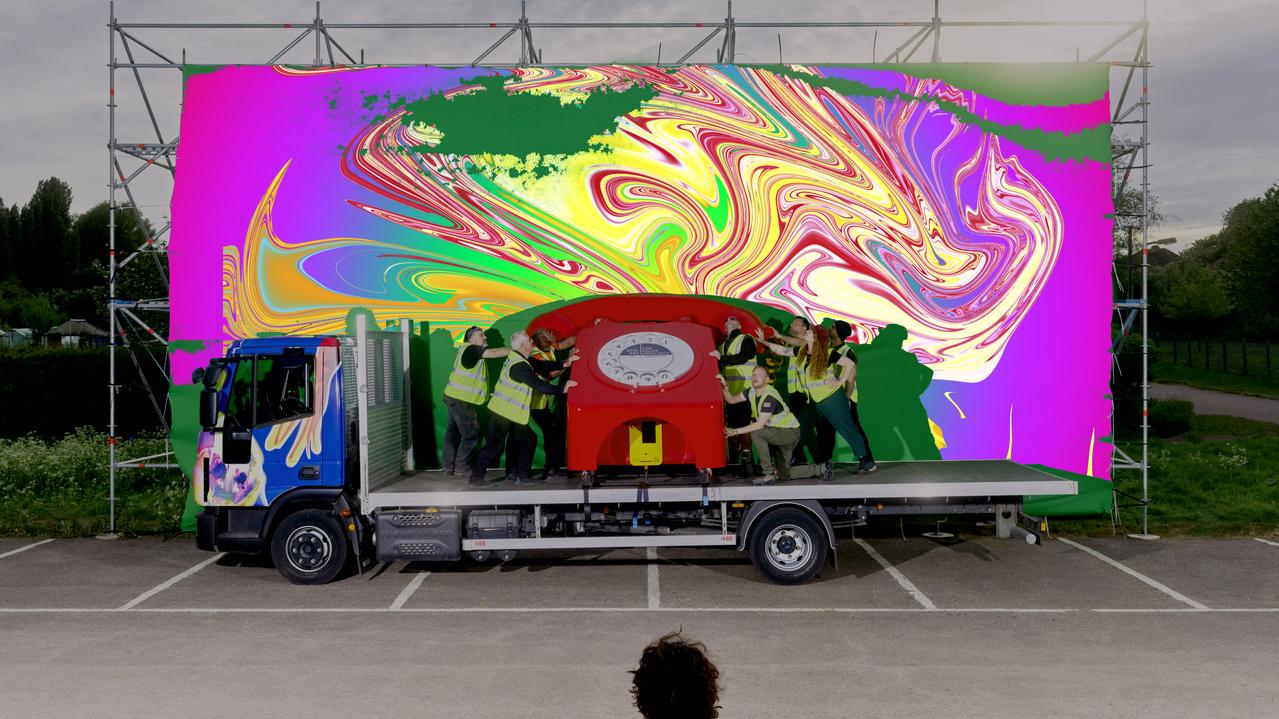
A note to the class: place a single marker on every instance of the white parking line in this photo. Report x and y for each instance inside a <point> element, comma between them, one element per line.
<point>409,590</point>
<point>33,545</point>
<point>1137,575</point>
<point>654,589</point>
<point>1259,539</point>
<point>628,610</point>
<point>905,583</point>
<point>167,583</point>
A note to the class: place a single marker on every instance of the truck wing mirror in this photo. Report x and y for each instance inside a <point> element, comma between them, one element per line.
<point>208,408</point>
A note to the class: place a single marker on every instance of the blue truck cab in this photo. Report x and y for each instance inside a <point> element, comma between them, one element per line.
<point>276,455</point>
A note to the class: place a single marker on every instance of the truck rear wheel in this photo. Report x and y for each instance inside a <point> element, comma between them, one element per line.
<point>788,546</point>
<point>308,547</point>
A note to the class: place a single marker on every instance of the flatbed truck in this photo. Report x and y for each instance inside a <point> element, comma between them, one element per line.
<point>306,453</point>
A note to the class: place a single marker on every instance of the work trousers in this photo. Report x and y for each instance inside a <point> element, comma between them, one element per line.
<point>736,416</point>
<point>461,436</point>
<point>552,426</point>
<point>857,422</point>
<point>816,434</point>
<point>773,446</point>
<point>835,409</point>
<point>519,440</point>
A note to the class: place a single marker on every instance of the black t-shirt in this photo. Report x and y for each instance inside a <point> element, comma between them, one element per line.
<point>770,405</point>
<point>471,356</point>
<point>743,355</point>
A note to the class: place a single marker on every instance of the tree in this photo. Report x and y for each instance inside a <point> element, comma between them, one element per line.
<point>6,250</point>
<point>1128,214</point>
<point>47,248</point>
<point>1190,296</point>
<point>1250,234</point>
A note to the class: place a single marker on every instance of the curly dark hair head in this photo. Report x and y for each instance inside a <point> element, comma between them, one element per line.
<point>676,680</point>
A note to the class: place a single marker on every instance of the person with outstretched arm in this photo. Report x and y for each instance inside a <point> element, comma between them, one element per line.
<point>818,363</point>
<point>510,410</point>
<point>774,431</point>
<point>548,414</point>
<point>466,392</point>
<point>737,358</point>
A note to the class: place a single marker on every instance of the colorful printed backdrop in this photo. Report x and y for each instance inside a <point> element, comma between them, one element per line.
<point>968,204</point>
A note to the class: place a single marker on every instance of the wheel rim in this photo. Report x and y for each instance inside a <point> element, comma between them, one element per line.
<point>309,549</point>
<point>788,548</point>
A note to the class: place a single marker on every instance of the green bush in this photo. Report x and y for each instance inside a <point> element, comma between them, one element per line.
<point>60,487</point>
<point>73,466</point>
<point>50,391</point>
<point>1169,418</point>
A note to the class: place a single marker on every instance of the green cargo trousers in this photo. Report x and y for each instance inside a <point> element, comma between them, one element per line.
<point>774,446</point>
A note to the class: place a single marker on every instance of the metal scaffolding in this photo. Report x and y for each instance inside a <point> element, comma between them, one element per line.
<point>132,156</point>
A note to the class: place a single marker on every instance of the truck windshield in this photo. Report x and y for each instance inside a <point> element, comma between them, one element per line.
<point>270,388</point>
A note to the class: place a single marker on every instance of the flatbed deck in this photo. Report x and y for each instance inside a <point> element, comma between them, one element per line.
<point>934,480</point>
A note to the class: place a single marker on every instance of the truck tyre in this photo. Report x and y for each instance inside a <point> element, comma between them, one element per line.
<point>309,547</point>
<point>787,545</point>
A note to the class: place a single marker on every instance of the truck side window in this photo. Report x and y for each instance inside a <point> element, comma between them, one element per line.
<point>239,408</point>
<point>284,387</point>
<point>271,388</point>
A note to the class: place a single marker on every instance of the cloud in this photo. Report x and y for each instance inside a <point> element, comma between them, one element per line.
<point>1211,112</point>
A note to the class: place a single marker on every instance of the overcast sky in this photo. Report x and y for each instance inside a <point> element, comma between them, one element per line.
<point>1214,110</point>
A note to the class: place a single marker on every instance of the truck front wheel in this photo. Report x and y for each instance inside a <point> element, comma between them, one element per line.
<point>308,547</point>
<point>788,546</point>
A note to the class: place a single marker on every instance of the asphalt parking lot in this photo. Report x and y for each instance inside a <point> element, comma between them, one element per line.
<point>954,628</point>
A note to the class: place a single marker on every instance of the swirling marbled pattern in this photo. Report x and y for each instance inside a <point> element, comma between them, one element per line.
<point>736,182</point>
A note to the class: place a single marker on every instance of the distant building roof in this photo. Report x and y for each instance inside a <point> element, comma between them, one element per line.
<point>76,328</point>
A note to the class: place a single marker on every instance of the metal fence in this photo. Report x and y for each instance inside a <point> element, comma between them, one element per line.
<point>1221,355</point>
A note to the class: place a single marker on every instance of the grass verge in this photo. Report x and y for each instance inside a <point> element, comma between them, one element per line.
<point>59,488</point>
<point>1219,478</point>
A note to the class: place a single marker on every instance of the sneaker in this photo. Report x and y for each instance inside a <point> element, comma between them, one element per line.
<point>477,482</point>
<point>828,471</point>
<point>866,466</point>
<point>555,477</point>
<point>529,480</point>
<point>766,479</point>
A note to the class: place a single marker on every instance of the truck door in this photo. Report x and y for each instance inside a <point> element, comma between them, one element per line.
<point>278,430</point>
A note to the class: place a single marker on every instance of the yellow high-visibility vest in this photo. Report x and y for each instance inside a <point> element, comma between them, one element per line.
<point>468,385</point>
<point>819,388</point>
<point>737,376</point>
<point>785,419</point>
<point>511,399</point>
<point>846,350</point>
<point>542,401</point>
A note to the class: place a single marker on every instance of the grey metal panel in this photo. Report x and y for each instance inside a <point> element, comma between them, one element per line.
<point>900,480</point>
<point>388,428</point>
<point>605,541</point>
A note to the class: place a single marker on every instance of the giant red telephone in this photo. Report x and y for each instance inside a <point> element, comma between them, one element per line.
<point>646,391</point>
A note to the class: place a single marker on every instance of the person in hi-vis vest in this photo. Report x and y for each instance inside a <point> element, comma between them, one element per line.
<point>550,414</point>
<point>510,409</point>
<point>774,429</point>
<point>736,355</point>
<point>466,392</point>
<point>827,390</point>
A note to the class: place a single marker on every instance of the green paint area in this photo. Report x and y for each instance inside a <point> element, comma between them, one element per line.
<point>1052,84</point>
<point>185,433</point>
<point>1095,496</point>
<point>1090,144</point>
<point>190,71</point>
<point>490,119</point>
<point>189,346</point>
